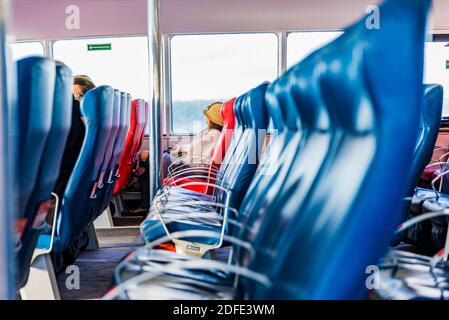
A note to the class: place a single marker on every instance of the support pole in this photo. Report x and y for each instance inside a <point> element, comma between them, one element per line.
<point>155,118</point>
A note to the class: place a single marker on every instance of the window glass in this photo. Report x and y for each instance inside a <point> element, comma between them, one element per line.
<point>121,63</point>
<point>21,50</point>
<point>301,44</point>
<point>436,68</point>
<point>216,67</point>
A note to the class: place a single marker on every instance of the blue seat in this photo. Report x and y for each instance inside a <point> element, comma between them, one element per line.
<point>51,159</point>
<point>105,170</point>
<point>235,174</point>
<point>315,238</point>
<point>117,150</point>
<point>80,204</point>
<point>428,236</point>
<point>327,245</point>
<point>429,128</point>
<point>37,127</point>
<point>8,171</point>
<point>36,81</point>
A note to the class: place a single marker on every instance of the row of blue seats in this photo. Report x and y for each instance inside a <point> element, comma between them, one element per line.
<point>307,221</point>
<point>42,124</point>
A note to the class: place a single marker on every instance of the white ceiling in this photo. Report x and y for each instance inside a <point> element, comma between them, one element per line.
<point>43,19</point>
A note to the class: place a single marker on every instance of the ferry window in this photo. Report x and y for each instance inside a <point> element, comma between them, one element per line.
<point>216,67</point>
<point>21,50</point>
<point>121,63</point>
<point>436,68</point>
<point>301,44</point>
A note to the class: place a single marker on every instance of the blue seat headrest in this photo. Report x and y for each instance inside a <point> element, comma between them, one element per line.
<point>254,112</point>
<point>97,110</point>
<point>307,93</point>
<point>432,106</point>
<point>124,109</point>
<point>284,105</point>
<point>238,112</point>
<point>116,110</point>
<point>273,107</point>
<point>36,83</point>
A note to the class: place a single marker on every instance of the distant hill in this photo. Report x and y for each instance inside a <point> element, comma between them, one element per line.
<point>187,114</point>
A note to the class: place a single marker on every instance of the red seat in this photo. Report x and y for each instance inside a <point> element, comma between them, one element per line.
<point>132,145</point>
<point>144,125</point>
<point>432,171</point>
<point>139,127</point>
<point>218,153</point>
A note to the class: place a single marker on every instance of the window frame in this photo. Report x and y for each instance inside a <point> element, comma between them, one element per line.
<point>168,95</point>
<point>41,42</point>
<point>52,43</point>
<point>437,37</point>
<point>288,33</point>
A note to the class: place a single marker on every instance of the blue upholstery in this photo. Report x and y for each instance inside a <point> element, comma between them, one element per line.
<point>51,159</point>
<point>36,81</point>
<point>328,243</point>
<point>110,142</point>
<point>104,186</point>
<point>116,153</point>
<point>35,94</point>
<point>429,128</point>
<point>237,169</point>
<point>240,166</point>
<point>320,224</point>
<point>8,170</point>
<point>79,206</point>
<point>120,138</point>
<point>430,122</point>
<point>429,235</point>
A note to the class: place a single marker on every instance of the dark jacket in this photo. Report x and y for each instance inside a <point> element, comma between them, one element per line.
<point>72,149</point>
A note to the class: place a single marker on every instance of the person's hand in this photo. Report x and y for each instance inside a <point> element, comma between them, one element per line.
<point>140,171</point>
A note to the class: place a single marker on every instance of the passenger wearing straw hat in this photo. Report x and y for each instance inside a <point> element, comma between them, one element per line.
<point>200,149</point>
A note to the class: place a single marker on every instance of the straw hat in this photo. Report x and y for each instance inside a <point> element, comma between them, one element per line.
<point>212,112</point>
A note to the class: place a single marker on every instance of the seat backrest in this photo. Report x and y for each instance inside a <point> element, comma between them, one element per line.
<point>35,94</point>
<point>222,144</point>
<point>125,168</point>
<point>429,128</point>
<point>110,142</point>
<point>128,115</point>
<point>292,131</point>
<point>39,203</point>
<point>270,159</point>
<point>345,225</point>
<point>117,151</point>
<point>74,215</point>
<point>239,128</point>
<point>120,137</point>
<point>8,167</point>
<point>240,168</point>
<point>144,125</point>
<point>35,83</point>
<point>139,128</point>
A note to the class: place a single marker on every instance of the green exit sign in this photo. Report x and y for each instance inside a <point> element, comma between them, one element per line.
<point>99,47</point>
<point>447,64</point>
